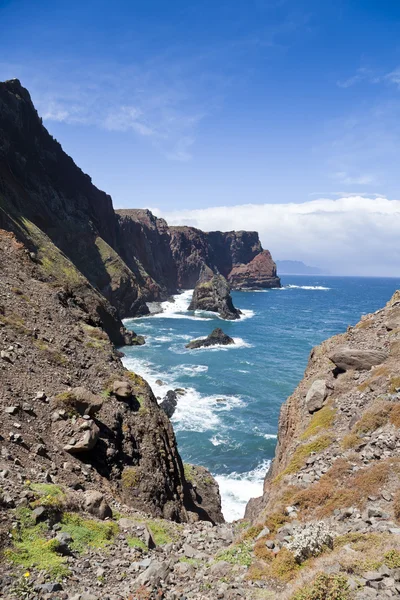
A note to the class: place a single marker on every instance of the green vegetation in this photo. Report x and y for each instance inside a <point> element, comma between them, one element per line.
<point>392,559</point>
<point>130,477</point>
<point>238,554</point>
<point>190,561</point>
<point>88,532</point>
<point>135,542</point>
<point>325,587</point>
<point>321,420</point>
<point>32,550</point>
<point>162,531</point>
<point>48,494</point>
<point>54,264</point>
<point>189,472</point>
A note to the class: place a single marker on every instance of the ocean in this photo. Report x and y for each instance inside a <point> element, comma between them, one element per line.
<point>228,418</point>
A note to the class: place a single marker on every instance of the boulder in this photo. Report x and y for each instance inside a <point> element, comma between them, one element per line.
<point>347,358</point>
<point>169,403</point>
<point>122,389</point>
<point>212,293</point>
<point>316,395</point>
<point>83,435</point>
<point>204,491</point>
<point>79,400</point>
<point>95,504</point>
<point>216,337</point>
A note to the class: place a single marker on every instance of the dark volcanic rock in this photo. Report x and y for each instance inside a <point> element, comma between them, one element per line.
<point>145,245</point>
<point>67,224</point>
<point>204,491</point>
<point>216,337</point>
<point>233,254</point>
<point>212,292</point>
<point>169,403</point>
<point>260,272</point>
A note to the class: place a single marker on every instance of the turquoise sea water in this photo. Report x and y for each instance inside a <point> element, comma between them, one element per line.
<point>227,421</point>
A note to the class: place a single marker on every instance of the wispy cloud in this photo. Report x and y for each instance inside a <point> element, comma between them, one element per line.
<point>361,179</point>
<point>160,103</point>
<point>349,235</point>
<point>364,74</point>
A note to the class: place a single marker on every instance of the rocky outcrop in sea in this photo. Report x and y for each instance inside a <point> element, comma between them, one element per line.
<point>216,338</point>
<point>212,293</point>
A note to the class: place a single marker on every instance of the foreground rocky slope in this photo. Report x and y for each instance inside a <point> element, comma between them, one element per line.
<point>331,500</point>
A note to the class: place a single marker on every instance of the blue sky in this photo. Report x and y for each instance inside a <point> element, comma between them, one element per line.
<point>181,105</point>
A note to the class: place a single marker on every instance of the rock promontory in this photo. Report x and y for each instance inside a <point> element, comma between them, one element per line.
<point>216,338</point>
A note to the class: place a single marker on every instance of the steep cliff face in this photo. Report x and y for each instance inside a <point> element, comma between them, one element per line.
<point>190,251</point>
<point>237,255</point>
<point>41,188</point>
<point>145,245</point>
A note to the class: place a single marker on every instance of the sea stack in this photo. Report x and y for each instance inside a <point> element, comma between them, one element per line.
<point>212,293</point>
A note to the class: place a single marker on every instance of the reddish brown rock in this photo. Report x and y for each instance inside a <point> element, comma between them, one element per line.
<point>260,272</point>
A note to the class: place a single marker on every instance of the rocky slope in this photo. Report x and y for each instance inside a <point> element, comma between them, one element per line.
<point>331,500</point>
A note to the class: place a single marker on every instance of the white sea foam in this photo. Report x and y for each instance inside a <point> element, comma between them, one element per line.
<point>217,440</point>
<point>237,489</point>
<point>270,436</point>
<point>194,412</point>
<point>305,287</point>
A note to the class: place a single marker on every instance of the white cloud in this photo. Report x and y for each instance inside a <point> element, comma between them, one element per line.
<point>362,179</point>
<point>349,235</point>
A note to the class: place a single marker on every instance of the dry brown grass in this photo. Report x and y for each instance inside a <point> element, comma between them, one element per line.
<point>351,440</point>
<point>262,552</point>
<point>374,418</point>
<point>395,415</point>
<point>394,384</point>
<point>340,488</point>
<point>396,506</point>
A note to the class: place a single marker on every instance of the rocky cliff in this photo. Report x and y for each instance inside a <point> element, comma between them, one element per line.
<point>331,500</point>
<point>237,255</point>
<point>48,201</point>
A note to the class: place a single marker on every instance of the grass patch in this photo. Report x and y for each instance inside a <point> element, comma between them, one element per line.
<point>351,440</point>
<point>189,472</point>
<point>325,587</point>
<point>135,542</point>
<point>392,559</point>
<point>394,384</point>
<point>321,420</point>
<point>238,554</point>
<point>32,550</point>
<point>130,477</point>
<point>162,532</point>
<point>49,494</point>
<point>374,418</point>
<point>88,532</point>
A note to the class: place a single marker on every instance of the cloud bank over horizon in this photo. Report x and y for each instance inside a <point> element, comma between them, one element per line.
<point>351,235</point>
